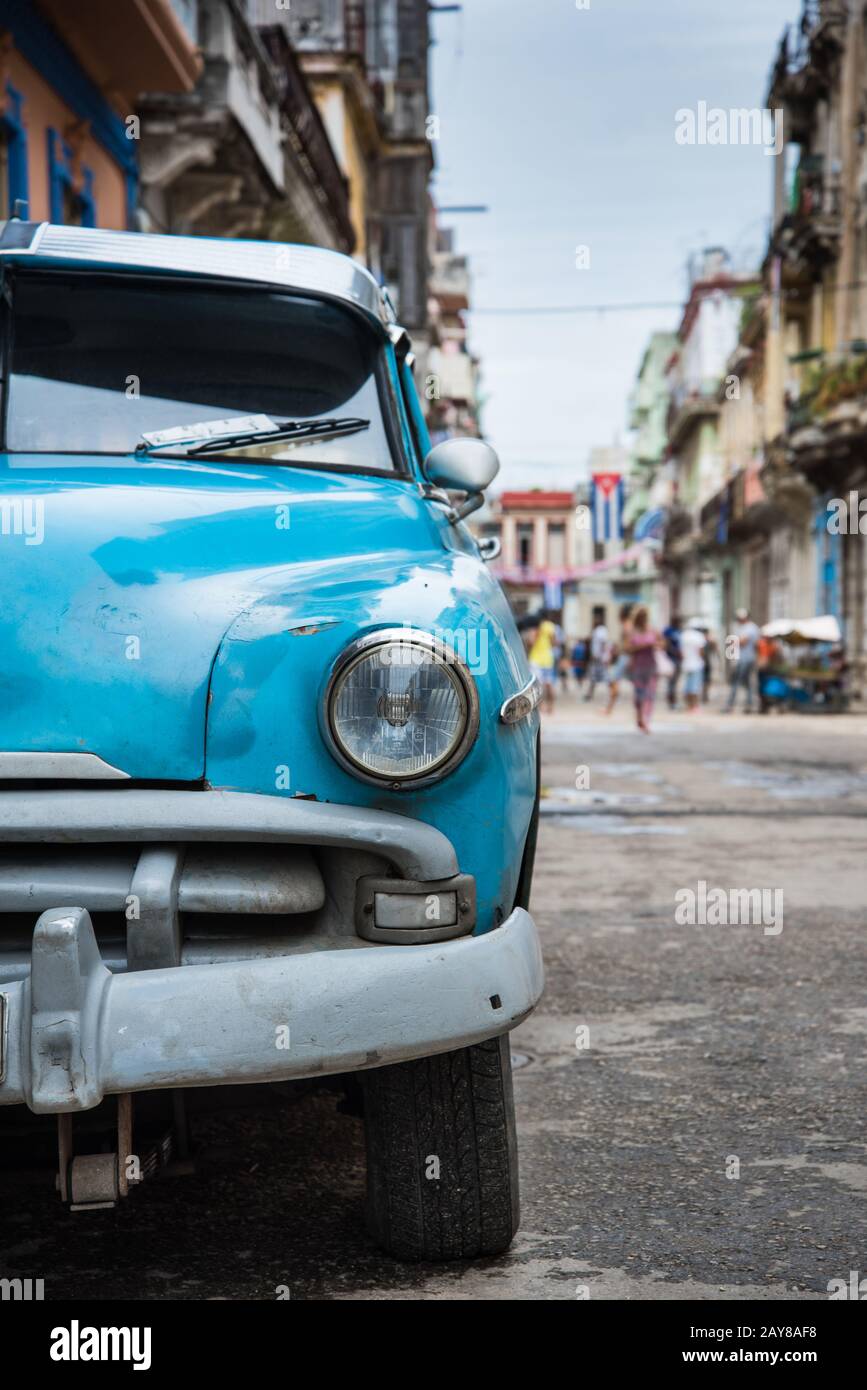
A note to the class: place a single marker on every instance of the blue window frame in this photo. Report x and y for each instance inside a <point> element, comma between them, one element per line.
<point>61,183</point>
<point>12,123</point>
<point>829,568</point>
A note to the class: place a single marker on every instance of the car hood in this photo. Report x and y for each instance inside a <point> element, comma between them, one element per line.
<point>121,578</point>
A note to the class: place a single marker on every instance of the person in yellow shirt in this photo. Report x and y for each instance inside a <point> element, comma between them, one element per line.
<point>542,659</point>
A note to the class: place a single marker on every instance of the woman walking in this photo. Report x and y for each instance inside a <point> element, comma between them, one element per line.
<point>642,645</point>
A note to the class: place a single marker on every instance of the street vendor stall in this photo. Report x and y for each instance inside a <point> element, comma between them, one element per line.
<point>808,669</point>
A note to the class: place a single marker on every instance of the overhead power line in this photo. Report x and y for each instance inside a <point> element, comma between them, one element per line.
<point>637,305</point>
<point>577,308</point>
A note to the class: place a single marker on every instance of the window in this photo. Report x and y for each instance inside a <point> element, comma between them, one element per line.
<point>526,531</point>
<point>5,201</point>
<point>72,202</point>
<point>73,208</point>
<point>97,360</point>
<point>13,154</point>
<point>556,544</point>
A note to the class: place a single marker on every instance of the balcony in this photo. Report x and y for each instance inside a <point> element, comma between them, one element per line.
<point>688,408</point>
<point>806,59</point>
<point>739,510</point>
<point>212,160</point>
<point>315,26</point>
<point>131,46</point>
<point>834,382</point>
<point>810,231</point>
<point>316,162</point>
<point>826,426</point>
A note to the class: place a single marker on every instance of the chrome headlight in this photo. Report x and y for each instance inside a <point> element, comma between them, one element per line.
<point>400,708</point>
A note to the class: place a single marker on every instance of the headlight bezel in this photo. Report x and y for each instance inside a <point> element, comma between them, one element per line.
<point>356,652</point>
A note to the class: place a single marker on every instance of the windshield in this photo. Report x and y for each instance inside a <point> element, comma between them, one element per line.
<point>99,362</point>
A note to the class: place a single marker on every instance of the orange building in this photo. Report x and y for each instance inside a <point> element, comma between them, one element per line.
<point>69,79</point>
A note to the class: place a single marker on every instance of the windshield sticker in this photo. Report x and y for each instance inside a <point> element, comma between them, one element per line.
<point>211,429</point>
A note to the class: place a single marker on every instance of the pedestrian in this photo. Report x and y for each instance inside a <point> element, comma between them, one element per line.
<point>671,639</point>
<point>746,642</point>
<point>769,660</point>
<point>643,644</point>
<point>563,671</point>
<point>600,653</point>
<point>561,664</point>
<point>692,648</point>
<point>543,662</point>
<point>580,658</point>
<point>708,655</point>
<point>619,656</point>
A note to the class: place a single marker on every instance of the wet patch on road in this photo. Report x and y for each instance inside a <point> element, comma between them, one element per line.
<point>816,783</point>
<point>571,801</point>
<point>601,824</point>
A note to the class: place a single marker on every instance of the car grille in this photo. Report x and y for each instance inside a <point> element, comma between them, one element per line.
<point>220,892</point>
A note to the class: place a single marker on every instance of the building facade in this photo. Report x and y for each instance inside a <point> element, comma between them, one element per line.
<point>650,474</point>
<point>71,76</point>
<point>697,568</point>
<point>164,115</point>
<point>548,556</point>
<point>816,278</point>
<point>245,153</point>
<point>450,377</point>
<point>367,65</point>
<point>765,461</point>
<point>541,545</point>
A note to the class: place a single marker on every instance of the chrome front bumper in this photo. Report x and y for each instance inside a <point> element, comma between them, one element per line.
<point>75,1032</point>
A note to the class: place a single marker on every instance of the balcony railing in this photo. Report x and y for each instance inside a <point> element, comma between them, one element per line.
<point>807,48</point>
<point>830,383</point>
<point>687,406</point>
<point>816,16</point>
<point>815,191</point>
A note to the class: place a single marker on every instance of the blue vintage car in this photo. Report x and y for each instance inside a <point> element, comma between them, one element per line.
<point>268,737</point>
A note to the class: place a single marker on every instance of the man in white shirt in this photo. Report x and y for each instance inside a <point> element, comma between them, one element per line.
<point>692,645</point>
<point>747,635</point>
<point>600,654</point>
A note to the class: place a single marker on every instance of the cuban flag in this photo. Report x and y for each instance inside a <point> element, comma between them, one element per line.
<point>606,506</point>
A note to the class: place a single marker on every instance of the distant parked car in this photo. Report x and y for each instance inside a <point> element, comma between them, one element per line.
<point>268,736</point>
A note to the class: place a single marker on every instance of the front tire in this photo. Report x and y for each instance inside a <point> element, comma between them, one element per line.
<point>442,1164</point>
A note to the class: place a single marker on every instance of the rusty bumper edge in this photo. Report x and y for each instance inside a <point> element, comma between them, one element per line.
<point>75,1032</point>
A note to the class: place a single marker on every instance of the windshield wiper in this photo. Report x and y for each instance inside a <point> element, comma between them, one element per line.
<point>285,429</point>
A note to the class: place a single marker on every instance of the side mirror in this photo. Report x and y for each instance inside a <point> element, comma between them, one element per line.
<point>464,465</point>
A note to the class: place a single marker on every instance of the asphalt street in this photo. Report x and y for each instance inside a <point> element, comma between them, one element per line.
<point>690,1097</point>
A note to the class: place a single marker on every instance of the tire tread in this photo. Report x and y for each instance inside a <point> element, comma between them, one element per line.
<point>457,1106</point>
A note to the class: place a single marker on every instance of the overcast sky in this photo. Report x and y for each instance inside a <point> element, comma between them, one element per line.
<point>562,120</point>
